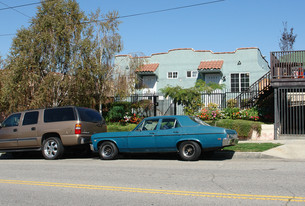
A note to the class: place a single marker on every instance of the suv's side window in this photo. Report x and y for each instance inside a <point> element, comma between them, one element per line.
<point>12,121</point>
<point>30,118</point>
<point>59,115</point>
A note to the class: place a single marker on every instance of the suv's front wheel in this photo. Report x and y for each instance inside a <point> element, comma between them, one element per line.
<point>52,148</point>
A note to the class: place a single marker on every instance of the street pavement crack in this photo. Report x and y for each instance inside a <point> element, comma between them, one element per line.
<point>293,195</point>
<point>218,185</point>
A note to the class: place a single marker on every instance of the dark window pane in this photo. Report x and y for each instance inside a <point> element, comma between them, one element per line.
<point>30,118</point>
<point>235,82</point>
<point>89,115</point>
<point>59,114</point>
<point>167,124</point>
<point>244,81</point>
<point>175,75</point>
<point>169,75</point>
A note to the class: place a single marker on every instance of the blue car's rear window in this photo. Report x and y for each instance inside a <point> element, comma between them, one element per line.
<point>199,121</point>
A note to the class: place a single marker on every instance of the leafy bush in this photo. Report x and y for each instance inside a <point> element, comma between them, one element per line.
<point>116,113</point>
<point>246,114</point>
<point>244,128</point>
<point>232,113</point>
<point>249,114</point>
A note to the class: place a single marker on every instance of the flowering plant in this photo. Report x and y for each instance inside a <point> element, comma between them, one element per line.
<point>133,119</point>
<point>210,113</point>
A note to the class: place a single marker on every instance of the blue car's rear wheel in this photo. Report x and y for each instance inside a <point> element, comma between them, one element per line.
<point>189,151</point>
<point>108,151</point>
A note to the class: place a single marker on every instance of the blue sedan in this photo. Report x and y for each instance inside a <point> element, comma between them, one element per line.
<point>187,135</point>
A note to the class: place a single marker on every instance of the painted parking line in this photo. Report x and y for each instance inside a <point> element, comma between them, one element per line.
<point>157,191</point>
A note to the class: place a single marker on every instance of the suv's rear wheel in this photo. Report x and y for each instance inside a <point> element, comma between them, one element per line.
<point>52,148</point>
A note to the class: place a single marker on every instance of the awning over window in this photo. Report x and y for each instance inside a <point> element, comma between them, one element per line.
<point>148,68</point>
<point>210,65</point>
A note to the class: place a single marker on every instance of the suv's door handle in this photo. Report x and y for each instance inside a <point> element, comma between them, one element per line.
<point>33,128</point>
<point>175,132</point>
<point>151,133</point>
<point>14,130</point>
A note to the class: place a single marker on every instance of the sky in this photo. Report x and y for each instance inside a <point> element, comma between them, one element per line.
<point>220,27</point>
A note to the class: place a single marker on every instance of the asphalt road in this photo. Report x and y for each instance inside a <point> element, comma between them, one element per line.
<point>151,181</point>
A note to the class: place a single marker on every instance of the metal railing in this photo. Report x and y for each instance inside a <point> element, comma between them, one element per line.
<point>290,111</point>
<point>157,104</point>
<point>287,65</point>
<point>250,97</point>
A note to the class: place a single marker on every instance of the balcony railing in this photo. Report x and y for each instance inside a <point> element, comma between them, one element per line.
<point>287,66</point>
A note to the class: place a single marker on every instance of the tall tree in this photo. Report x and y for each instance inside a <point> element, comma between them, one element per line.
<point>108,42</point>
<point>58,61</point>
<point>1,62</point>
<point>48,47</point>
<point>287,38</point>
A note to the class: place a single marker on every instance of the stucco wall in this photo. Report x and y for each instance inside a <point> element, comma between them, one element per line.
<point>183,60</point>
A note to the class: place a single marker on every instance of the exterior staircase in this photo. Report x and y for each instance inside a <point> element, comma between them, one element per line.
<point>256,93</point>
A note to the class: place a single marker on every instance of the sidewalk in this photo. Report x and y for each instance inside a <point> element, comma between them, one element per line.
<point>291,149</point>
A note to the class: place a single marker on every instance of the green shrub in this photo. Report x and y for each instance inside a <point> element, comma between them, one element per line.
<point>249,114</point>
<point>232,113</point>
<point>116,113</point>
<point>244,128</point>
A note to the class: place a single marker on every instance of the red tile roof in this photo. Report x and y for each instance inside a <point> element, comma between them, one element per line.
<point>148,68</point>
<point>217,64</point>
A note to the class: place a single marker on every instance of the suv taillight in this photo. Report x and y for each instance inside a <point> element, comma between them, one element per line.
<point>78,129</point>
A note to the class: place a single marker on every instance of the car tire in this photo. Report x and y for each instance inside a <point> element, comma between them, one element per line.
<point>189,151</point>
<point>52,148</point>
<point>108,151</point>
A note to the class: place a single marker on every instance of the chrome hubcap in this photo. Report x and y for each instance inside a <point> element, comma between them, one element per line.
<point>188,150</point>
<point>107,150</point>
<point>50,148</point>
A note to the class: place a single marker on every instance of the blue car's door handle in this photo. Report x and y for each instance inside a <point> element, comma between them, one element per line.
<point>175,132</point>
<point>151,133</point>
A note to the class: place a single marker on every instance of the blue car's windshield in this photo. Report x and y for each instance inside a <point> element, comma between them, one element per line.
<point>199,121</point>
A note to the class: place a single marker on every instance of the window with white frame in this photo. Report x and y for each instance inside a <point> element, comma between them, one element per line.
<point>191,74</point>
<point>240,82</point>
<point>172,75</point>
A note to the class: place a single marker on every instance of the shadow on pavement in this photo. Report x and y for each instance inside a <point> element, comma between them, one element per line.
<point>21,155</point>
<point>219,155</point>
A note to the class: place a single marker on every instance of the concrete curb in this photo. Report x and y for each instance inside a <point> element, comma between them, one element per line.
<point>253,155</point>
<point>242,155</point>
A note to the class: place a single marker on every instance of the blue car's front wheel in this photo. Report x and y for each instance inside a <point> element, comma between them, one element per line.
<point>108,151</point>
<point>189,151</point>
